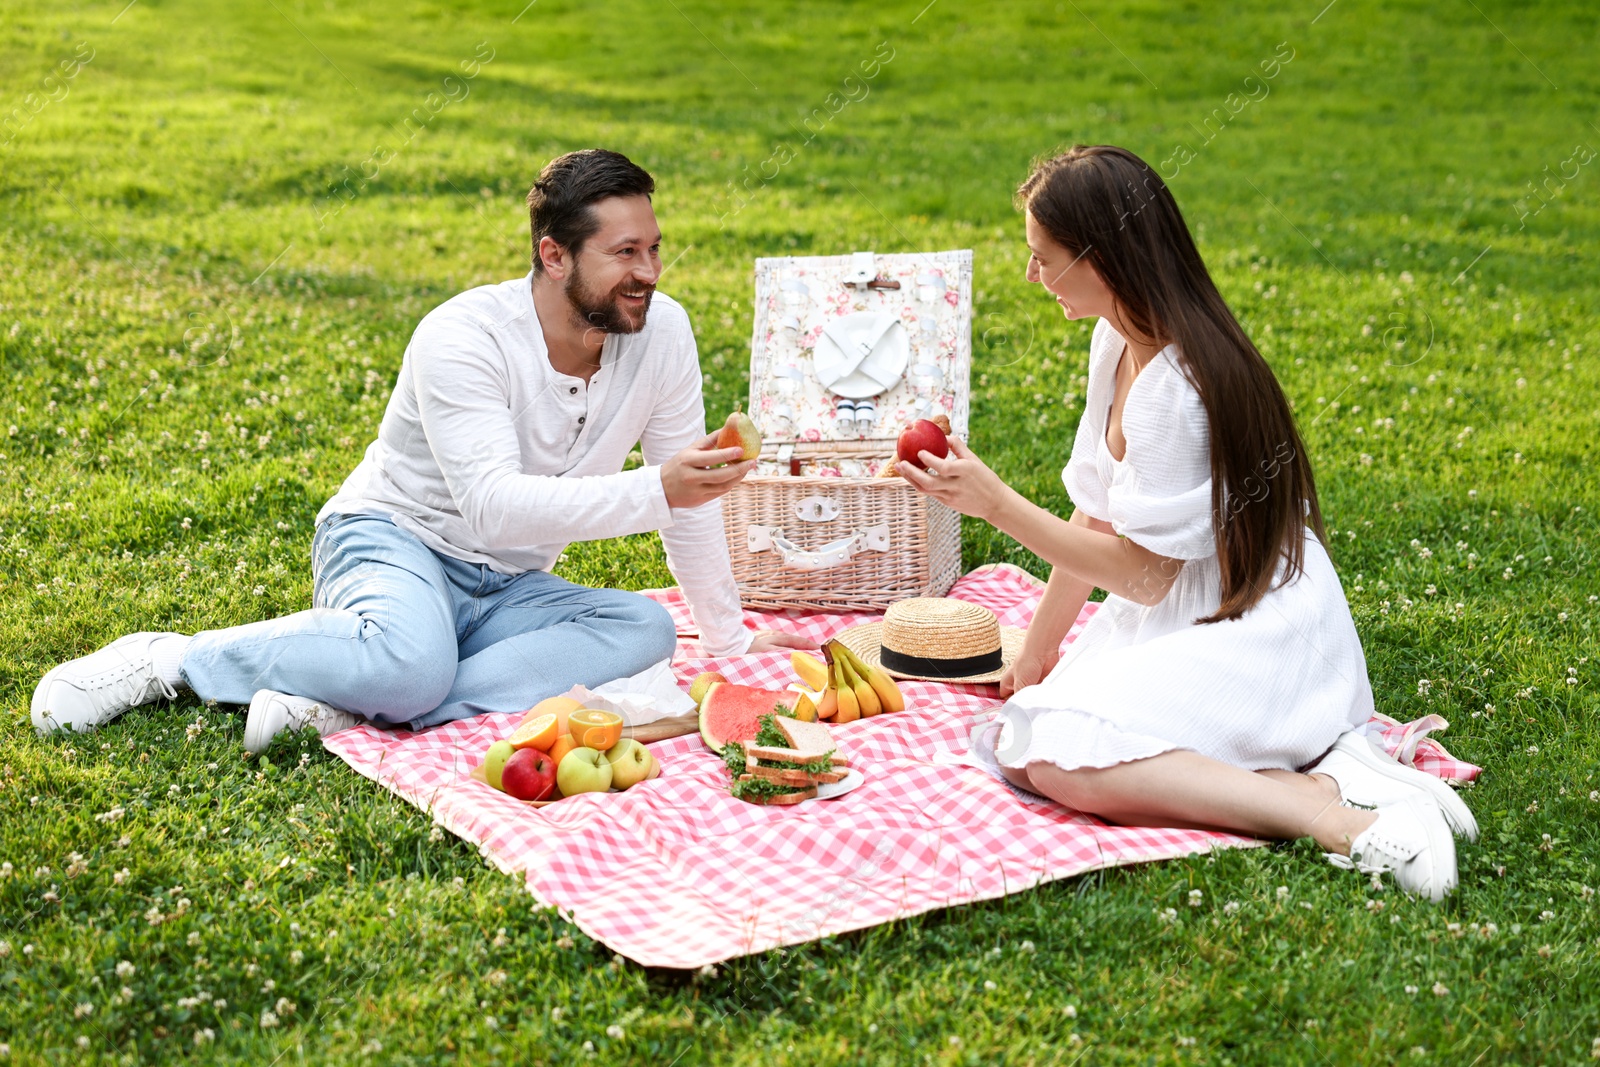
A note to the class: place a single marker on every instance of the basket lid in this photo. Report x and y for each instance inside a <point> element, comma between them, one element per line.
<point>855,348</point>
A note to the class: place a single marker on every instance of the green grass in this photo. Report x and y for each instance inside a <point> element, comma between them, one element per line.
<point>196,348</point>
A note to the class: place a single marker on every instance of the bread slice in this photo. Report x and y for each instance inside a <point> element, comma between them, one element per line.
<point>790,776</point>
<point>753,751</point>
<point>786,798</point>
<point>807,736</point>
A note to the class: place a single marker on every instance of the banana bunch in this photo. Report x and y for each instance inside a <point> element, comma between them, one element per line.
<point>851,689</point>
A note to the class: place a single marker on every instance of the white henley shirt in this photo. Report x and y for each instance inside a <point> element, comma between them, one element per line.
<point>487,454</point>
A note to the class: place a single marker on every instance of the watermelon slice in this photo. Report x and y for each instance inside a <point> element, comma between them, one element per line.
<point>733,712</point>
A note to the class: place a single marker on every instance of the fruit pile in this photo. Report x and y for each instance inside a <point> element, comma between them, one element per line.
<point>850,688</point>
<point>561,749</point>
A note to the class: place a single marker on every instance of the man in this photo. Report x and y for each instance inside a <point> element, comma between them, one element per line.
<point>504,440</point>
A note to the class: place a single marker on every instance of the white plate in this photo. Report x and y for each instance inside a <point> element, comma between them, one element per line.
<point>851,779</point>
<point>861,355</point>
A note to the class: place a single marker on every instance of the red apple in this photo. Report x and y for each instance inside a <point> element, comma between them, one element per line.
<point>529,775</point>
<point>921,436</point>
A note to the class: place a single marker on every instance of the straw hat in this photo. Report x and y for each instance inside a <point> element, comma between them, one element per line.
<point>937,639</point>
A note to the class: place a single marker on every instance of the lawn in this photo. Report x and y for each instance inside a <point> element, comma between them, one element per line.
<point>223,221</point>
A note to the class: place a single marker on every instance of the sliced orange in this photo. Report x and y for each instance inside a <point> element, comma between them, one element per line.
<point>559,750</point>
<point>593,728</point>
<point>560,707</point>
<point>540,733</point>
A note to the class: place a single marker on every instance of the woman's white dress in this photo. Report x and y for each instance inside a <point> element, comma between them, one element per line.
<point>1273,688</point>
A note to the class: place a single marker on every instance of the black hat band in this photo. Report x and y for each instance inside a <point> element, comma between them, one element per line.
<point>987,663</point>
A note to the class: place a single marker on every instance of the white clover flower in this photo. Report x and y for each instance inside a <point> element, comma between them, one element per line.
<point>1070,1011</point>
<point>557,1013</point>
<point>1195,897</point>
<point>268,1020</point>
<point>989,985</point>
<point>126,969</point>
<point>285,1007</point>
<point>614,1032</point>
<point>1411,989</point>
<point>1440,989</point>
<point>82,1009</point>
<point>204,1037</point>
<point>1283,892</point>
<point>1026,946</point>
<point>1546,915</point>
<point>1231,908</point>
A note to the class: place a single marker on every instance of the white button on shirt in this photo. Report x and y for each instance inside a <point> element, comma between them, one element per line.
<point>487,454</point>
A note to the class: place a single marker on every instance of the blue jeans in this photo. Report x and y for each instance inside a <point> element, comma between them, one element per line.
<point>407,637</point>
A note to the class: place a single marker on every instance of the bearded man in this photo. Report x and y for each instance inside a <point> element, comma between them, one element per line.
<point>504,440</point>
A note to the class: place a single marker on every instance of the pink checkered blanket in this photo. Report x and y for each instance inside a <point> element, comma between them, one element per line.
<point>677,873</point>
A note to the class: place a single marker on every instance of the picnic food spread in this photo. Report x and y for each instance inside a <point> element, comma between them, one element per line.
<point>784,763</point>
<point>561,748</point>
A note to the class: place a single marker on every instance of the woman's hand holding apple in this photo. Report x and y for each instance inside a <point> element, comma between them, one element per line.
<point>960,480</point>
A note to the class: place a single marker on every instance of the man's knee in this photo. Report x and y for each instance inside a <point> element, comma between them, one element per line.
<point>399,681</point>
<point>651,629</point>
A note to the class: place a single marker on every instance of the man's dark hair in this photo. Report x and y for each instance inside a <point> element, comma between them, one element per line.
<point>559,204</point>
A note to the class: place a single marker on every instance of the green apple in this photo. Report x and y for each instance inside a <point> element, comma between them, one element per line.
<point>630,763</point>
<point>583,770</point>
<point>702,685</point>
<point>494,761</point>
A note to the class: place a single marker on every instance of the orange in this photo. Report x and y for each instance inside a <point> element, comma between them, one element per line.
<point>563,745</point>
<point>539,732</point>
<point>560,707</point>
<point>596,729</point>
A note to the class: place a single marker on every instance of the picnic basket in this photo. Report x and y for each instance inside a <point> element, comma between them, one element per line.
<point>848,351</point>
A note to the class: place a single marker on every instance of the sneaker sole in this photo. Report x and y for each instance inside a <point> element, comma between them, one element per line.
<point>1456,813</point>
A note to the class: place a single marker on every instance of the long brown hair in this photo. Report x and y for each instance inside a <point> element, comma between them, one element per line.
<point>1107,206</point>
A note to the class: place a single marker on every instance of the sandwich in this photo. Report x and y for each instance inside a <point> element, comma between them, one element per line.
<point>785,763</point>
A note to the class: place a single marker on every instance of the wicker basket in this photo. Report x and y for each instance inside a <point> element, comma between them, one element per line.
<point>803,532</point>
<point>922,556</point>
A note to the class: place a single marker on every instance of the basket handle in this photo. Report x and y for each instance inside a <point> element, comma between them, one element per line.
<point>833,554</point>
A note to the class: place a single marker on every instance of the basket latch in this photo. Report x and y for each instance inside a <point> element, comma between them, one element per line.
<point>863,273</point>
<point>833,554</point>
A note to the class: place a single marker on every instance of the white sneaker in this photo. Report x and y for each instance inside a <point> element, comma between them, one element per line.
<point>273,713</point>
<point>90,691</point>
<point>1411,839</point>
<point>1369,777</point>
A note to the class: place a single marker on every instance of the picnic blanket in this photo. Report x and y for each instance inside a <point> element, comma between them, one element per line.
<point>676,873</point>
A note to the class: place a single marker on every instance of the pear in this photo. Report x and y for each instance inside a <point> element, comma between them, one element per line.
<point>740,432</point>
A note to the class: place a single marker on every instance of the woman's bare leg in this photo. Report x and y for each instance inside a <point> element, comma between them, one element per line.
<point>1315,784</point>
<point>1186,789</point>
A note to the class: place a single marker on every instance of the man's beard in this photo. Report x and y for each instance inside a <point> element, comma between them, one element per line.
<point>605,311</point>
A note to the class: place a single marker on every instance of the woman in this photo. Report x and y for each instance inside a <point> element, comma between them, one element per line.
<point>1224,657</point>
